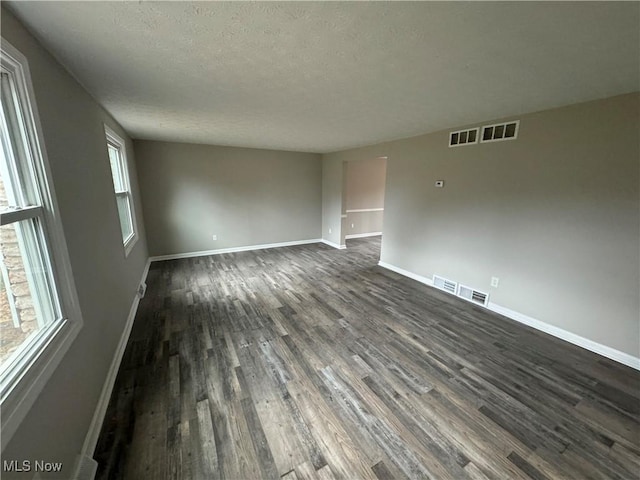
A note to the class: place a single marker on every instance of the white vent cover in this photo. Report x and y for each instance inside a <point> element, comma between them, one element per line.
<point>500,132</point>
<point>444,284</point>
<point>463,137</point>
<point>472,295</point>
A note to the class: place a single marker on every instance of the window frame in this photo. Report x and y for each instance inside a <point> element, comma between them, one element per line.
<point>116,141</point>
<point>34,366</point>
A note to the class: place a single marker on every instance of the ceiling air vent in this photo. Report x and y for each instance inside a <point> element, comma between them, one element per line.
<point>444,284</point>
<point>472,295</point>
<point>463,137</point>
<point>500,131</point>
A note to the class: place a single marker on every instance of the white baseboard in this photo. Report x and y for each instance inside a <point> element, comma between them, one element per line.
<point>567,336</point>
<point>334,245</point>
<point>407,273</point>
<point>91,439</point>
<point>605,351</point>
<point>204,253</point>
<point>85,468</point>
<point>363,235</point>
<point>145,272</point>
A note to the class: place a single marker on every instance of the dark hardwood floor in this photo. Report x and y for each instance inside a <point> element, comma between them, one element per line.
<point>313,363</point>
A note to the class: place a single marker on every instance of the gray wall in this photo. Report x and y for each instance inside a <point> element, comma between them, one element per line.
<point>553,214</point>
<point>106,281</point>
<point>364,189</point>
<point>244,196</point>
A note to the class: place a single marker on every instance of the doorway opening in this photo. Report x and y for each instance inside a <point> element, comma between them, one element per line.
<point>363,192</point>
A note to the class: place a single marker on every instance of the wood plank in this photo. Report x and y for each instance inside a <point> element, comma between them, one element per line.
<point>344,456</point>
<point>325,473</point>
<point>207,441</point>
<point>309,362</point>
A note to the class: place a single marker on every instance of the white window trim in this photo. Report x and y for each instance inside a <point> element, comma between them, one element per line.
<point>37,369</point>
<point>113,137</point>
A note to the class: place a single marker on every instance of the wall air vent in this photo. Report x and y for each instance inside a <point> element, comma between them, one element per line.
<point>500,131</point>
<point>463,137</point>
<point>444,284</point>
<point>472,295</point>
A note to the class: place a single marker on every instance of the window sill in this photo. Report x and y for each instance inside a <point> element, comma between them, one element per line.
<point>129,244</point>
<point>17,402</point>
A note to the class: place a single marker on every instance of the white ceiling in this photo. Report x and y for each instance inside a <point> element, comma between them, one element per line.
<point>325,76</point>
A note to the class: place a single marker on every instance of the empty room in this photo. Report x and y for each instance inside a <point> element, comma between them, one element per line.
<point>320,240</point>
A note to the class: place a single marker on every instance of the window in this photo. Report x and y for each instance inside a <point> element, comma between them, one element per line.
<point>121,185</point>
<point>38,304</point>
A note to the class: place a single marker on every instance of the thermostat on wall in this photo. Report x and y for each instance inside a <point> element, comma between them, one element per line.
<point>439,183</point>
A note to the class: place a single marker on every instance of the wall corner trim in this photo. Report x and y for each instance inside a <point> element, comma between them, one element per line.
<point>246,248</point>
<point>91,438</point>
<point>334,245</point>
<point>600,349</point>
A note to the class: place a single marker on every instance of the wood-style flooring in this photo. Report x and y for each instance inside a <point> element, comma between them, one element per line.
<point>308,362</point>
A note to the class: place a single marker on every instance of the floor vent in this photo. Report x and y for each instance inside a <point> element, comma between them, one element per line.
<point>500,131</point>
<point>472,295</point>
<point>463,137</point>
<point>444,284</point>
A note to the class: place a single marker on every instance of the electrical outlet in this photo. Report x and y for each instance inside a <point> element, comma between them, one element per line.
<point>329,231</point>
<point>215,237</point>
<point>495,281</point>
<point>352,225</point>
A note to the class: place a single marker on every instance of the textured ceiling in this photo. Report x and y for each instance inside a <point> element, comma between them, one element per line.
<point>324,76</point>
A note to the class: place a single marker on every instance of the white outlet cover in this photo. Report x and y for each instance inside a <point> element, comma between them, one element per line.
<point>215,237</point>
<point>329,230</point>
<point>495,281</point>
